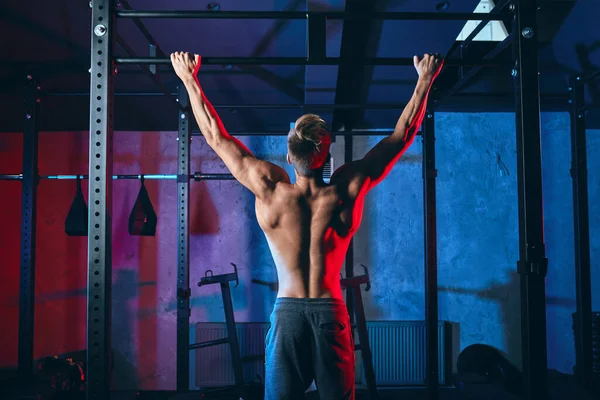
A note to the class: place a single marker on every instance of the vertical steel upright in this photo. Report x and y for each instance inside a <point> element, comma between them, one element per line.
<point>349,268</point>
<point>100,201</point>
<point>532,264</point>
<point>583,278</point>
<point>183,253</point>
<point>28,225</point>
<point>430,237</point>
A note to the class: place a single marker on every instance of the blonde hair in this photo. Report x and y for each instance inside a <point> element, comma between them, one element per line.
<point>308,143</point>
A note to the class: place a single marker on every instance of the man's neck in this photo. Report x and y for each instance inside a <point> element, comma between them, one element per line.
<point>309,184</point>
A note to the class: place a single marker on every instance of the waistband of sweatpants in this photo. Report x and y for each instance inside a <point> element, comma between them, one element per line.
<point>307,302</point>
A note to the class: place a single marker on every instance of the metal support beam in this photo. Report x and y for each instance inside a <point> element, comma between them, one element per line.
<point>140,25</point>
<point>147,69</point>
<point>466,78</point>
<point>592,76</point>
<point>465,43</point>
<point>532,264</point>
<point>583,278</point>
<point>317,38</point>
<point>28,230</point>
<point>430,237</point>
<point>183,253</point>
<point>350,88</point>
<point>100,200</point>
<point>402,61</point>
<point>349,264</point>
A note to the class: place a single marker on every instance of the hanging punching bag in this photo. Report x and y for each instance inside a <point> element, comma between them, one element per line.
<point>76,223</point>
<point>142,220</point>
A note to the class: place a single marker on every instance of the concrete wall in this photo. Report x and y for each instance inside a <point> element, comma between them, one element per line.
<point>477,237</point>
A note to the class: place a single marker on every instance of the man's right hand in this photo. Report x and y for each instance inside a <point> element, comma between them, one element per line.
<point>429,66</point>
<point>186,65</point>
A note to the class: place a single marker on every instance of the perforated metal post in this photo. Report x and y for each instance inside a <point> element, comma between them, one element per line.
<point>431,284</point>
<point>100,200</point>
<point>532,264</point>
<point>349,267</point>
<point>583,278</point>
<point>183,240</point>
<point>28,214</point>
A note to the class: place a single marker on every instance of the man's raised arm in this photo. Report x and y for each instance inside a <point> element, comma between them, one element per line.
<point>257,175</point>
<point>380,159</point>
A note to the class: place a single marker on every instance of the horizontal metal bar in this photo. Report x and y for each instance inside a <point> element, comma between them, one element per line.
<point>423,16</point>
<point>213,177</point>
<point>255,106</point>
<point>399,61</point>
<point>11,177</point>
<point>548,96</point>
<point>196,176</point>
<point>592,76</point>
<point>209,343</point>
<point>355,132</point>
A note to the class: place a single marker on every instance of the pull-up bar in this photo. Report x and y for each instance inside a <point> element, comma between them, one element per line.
<point>300,15</point>
<point>404,61</point>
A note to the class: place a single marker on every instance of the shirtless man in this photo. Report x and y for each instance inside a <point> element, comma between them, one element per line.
<point>308,225</point>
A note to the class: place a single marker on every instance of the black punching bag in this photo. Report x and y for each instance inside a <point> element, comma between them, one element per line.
<point>76,223</point>
<point>142,220</point>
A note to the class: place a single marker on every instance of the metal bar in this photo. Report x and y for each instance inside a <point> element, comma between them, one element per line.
<point>183,254</point>
<point>233,339</point>
<point>11,177</point>
<point>349,88</point>
<point>592,76</point>
<point>532,264</point>
<point>148,71</point>
<point>397,16</point>
<point>365,347</point>
<point>214,177</point>
<point>100,200</point>
<point>583,278</point>
<point>355,132</point>
<point>209,343</point>
<point>403,61</point>
<point>114,177</point>
<point>430,238</point>
<point>317,38</point>
<point>260,106</point>
<point>152,53</point>
<point>28,235</point>
<point>466,78</point>
<point>144,31</point>
<point>546,96</point>
<point>196,176</point>
<point>349,265</point>
<point>465,43</point>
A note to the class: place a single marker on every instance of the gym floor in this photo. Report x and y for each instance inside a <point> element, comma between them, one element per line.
<point>482,392</point>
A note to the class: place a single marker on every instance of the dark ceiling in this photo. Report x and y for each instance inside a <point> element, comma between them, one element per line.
<point>51,41</point>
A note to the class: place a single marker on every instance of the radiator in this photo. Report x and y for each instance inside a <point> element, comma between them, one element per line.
<point>398,349</point>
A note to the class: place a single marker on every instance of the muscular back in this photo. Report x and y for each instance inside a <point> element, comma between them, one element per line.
<point>308,231</point>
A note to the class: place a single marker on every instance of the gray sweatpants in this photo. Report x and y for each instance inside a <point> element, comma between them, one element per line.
<point>309,339</point>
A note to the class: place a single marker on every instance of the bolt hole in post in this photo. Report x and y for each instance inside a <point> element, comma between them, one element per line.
<point>527,32</point>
